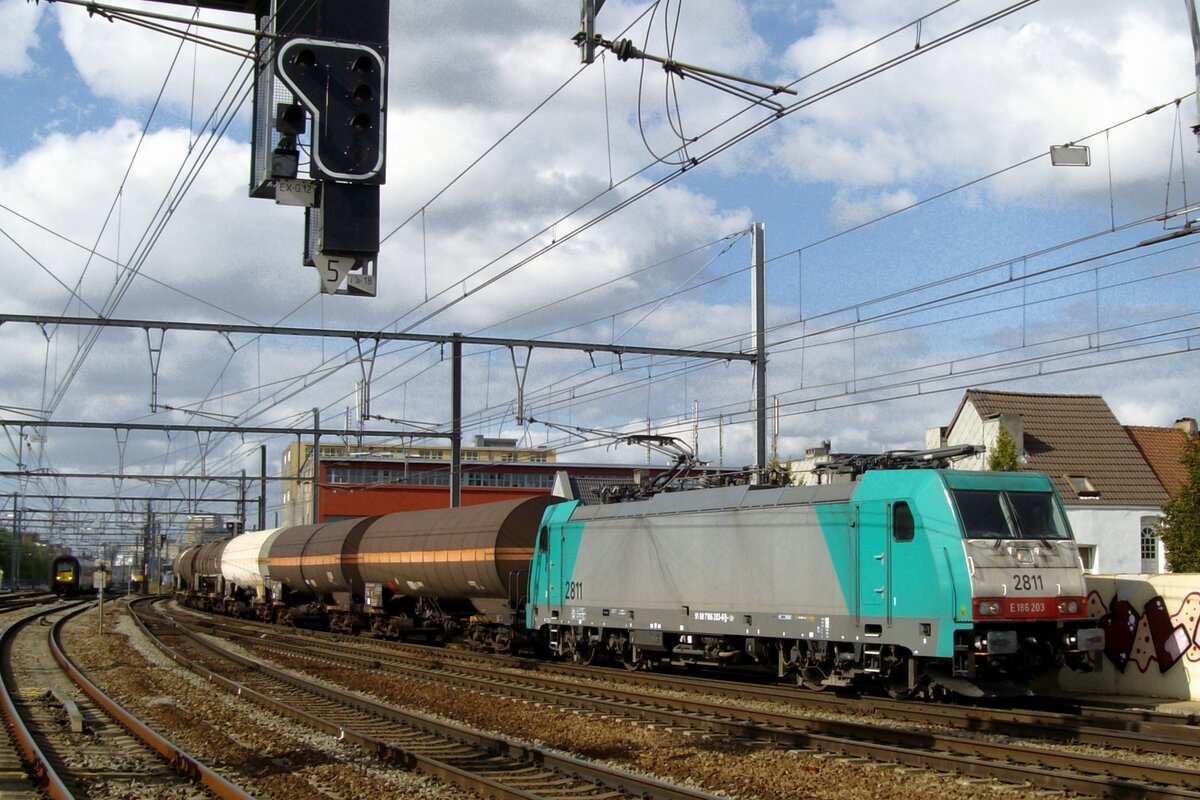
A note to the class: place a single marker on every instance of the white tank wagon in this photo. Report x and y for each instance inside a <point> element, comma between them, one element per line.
<point>248,588</point>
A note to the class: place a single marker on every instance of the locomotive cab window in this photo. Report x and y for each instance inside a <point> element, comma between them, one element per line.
<point>904,527</point>
<point>1010,515</point>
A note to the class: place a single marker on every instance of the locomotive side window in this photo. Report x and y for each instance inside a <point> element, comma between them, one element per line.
<point>903,526</point>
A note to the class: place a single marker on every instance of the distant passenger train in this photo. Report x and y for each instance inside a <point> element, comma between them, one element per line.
<point>71,576</point>
<point>909,579</point>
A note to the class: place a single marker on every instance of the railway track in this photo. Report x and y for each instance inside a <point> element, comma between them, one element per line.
<point>14,601</point>
<point>1140,730</point>
<point>76,741</point>
<point>1078,769</point>
<point>491,765</point>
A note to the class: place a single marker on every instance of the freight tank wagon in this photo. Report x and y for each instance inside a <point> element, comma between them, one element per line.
<point>248,589</point>
<point>911,578</point>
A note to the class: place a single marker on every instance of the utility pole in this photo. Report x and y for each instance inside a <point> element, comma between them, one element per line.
<point>16,541</point>
<point>147,559</point>
<point>587,38</point>
<point>241,505</point>
<point>456,421</point>
<point>262,489</point>
<point>758,299</point>
<point>1194,26</point>
<point>316,463</point>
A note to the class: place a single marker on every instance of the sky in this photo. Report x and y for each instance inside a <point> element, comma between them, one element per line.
<point>919,241</point>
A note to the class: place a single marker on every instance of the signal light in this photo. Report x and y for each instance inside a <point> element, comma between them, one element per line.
<point>344,88</point>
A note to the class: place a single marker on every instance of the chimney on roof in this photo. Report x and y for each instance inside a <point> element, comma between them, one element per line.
<point>1187,425</point>
<point>935,438</point>
<point>815,452</point>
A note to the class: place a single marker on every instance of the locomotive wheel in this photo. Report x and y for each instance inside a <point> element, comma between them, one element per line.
<point>812,678</point>
<point>897,685</point>
<point>579,645</point>
<point>631,657</point>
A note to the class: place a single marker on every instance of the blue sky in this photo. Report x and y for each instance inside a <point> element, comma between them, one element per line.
<point>79,91</point>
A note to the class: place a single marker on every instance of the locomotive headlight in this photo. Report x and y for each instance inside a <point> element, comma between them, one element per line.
<point>989,608</point>
<point>1068,607</point>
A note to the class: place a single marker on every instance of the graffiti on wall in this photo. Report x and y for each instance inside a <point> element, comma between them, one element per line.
<point>1153,634</point>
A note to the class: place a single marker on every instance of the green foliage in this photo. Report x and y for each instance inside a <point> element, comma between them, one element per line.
<point>1003,456</point>
<point>1180,529</point>
<point>35,559</point>
<point>778,474</point>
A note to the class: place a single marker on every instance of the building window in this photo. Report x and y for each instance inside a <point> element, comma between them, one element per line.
<point>1149,540</point>
<point>1087,555</point>
<point>371,476</point>
<point>1083,486</point>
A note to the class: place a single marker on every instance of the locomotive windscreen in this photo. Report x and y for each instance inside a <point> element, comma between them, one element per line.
<point>1009,515</point>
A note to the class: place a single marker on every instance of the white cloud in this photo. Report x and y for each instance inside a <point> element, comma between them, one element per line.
<point>851,209</point>
<point>121,62</point>
<point>18,20</point>
<point>463,74</point>
<point>988,100</point>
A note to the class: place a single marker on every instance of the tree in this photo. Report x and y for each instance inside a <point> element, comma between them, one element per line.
<point>778,474</point>
<point>35,558</point>
<point>1003,456</point>
<point>1180,528</point>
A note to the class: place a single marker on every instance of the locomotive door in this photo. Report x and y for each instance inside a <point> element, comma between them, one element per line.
<point>543,579</point>
<point>554,560</point>
<point>873,569</point>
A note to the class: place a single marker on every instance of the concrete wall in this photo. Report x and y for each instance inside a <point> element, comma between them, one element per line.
<point>1152,629</point>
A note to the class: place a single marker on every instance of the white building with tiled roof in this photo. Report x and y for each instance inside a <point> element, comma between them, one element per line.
<point>1113,498</point>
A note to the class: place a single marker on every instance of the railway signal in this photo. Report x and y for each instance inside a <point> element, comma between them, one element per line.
<point>344,87</point>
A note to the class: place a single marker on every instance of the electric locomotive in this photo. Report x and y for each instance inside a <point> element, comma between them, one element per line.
<point>70,576</point>
<point>910,578</point>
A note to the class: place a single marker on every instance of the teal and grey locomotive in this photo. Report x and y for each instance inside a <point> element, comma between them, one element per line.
<point>912,579</point>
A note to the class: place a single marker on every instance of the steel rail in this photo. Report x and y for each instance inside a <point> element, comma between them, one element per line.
<point>179,759</point>
<point>40,769</point>
<point>1141,730</point>
<point>630,783</point>
<point>1096,776</point>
